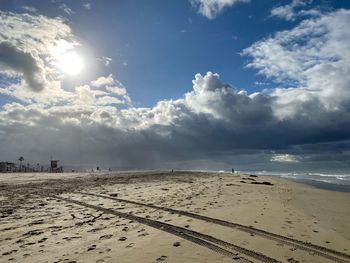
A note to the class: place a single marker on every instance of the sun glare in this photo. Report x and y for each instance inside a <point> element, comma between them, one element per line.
<point>70,63</point>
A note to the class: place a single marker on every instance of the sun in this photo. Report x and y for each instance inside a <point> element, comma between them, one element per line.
<point>70,63</point>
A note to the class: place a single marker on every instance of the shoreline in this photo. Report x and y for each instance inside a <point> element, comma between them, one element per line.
<point>344,188</point>
<point>318,183</point>
<point>323,185</point>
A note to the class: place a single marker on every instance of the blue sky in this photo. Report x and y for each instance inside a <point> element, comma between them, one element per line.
<point>276,92</point>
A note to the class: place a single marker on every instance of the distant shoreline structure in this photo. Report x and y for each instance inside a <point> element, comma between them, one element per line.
<point>12,167</point>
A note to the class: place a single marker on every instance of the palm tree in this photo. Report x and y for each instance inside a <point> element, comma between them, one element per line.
<point>21,159</point>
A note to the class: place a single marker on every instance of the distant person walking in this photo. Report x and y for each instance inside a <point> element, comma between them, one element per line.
<point>233,171</point>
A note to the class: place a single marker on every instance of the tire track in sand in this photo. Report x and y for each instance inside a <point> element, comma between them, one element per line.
<point>207,241</point>
<point>306,246</point>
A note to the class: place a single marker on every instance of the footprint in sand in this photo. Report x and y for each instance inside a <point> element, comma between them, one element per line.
<point>9,252</point>
<point>19,241</point>
<point>42,240</point>
<point>93,247</point>
<point>26,255</point>
<point>29,244</point>
<point>143,234</point>
<point>130,245</point>
<point>106,236</point>
<point>161,258</point>
<point>292,260</point>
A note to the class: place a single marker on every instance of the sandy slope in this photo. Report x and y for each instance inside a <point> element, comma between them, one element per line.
<point>48,218</point>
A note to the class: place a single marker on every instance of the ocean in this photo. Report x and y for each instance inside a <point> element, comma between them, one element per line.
<point>330,181</point>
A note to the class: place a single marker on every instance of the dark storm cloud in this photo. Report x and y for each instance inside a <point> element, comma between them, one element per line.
<point>180,131</point>
<point>20,62</point>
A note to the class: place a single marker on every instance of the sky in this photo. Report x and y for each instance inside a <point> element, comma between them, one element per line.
<point>191,84</point>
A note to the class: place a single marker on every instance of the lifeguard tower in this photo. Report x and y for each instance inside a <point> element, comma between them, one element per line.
<point>54,168</point>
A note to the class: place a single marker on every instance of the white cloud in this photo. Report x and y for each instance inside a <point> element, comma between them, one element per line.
<point>30,9</point>
<point>88,96</point>
<point>113,87</point>
<point>87,6</point>
<point>313,59</point>
<point>261,83</point>
<point>221,101</point>
<point>117,90</point>
<point>211,8</point>
<point>66,9</point>
<point>289,13</point>
<point>285,158</point>
<point>34,33</point>
<point>106,61</point>
<point>109,100</point>
<point>103,81</point>
<point>85,94</point>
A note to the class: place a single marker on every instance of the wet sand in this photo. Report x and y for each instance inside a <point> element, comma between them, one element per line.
<point>170,217</point>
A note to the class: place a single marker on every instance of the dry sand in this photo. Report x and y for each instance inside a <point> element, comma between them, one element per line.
<point>169,217</point>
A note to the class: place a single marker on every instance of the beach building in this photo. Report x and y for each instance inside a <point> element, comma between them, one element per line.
<point>54,168</point>
<point>7,167</point>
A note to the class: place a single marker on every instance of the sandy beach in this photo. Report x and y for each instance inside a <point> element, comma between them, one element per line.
<point>170,217</point>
